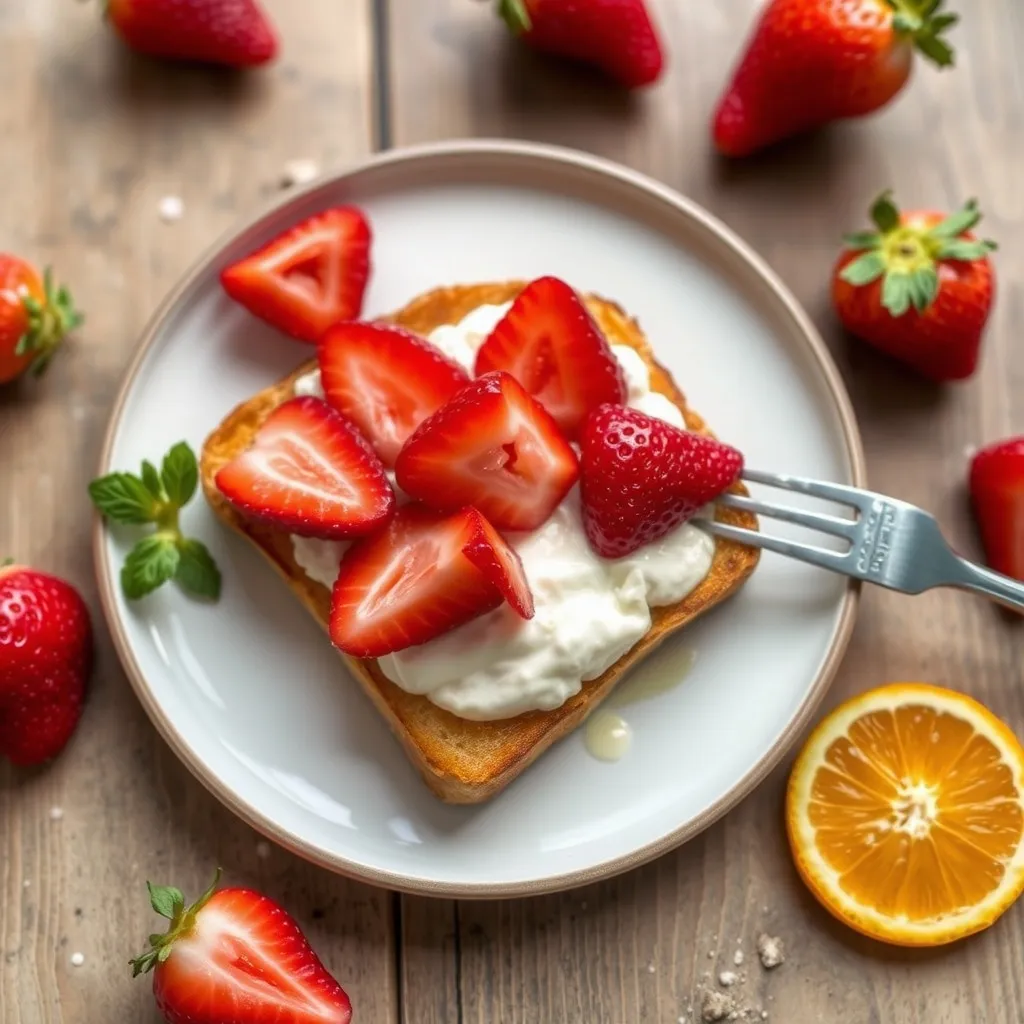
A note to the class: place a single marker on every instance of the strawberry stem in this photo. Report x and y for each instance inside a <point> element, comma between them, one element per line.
<point>925,23</point>
<point>905,255</point>
<point>49,321</point>
<point>515,15</point>
<point>169,902</point>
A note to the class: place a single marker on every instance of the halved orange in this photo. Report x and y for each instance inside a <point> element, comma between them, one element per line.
<point>905,814</point>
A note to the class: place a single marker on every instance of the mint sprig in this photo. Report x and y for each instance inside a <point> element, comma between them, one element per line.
<point>157,497</point>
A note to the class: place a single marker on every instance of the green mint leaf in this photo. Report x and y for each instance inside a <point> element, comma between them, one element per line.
<point>863,240</point>
<point>961,249</point>
<point>197,571</point>
<point>123,498</point>
<point>924,286</point>
<point>166,901</point>
<point>180,474</point>
<point>896,293</point>
<point>885,214</point>
<point>864,269</point>
<point>151,478</point>
<point>957,223</point>
<point>152,562</point>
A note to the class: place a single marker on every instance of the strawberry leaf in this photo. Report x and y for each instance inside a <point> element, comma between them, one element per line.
<point>180,474</point>
<point>863,240</point>
<point>166,900</point>
<point>897,293</point>
<point>123,498</point>
<point>197,572</point>
<point>962,249</point>
<point>885,214</point>
<point>924,286</point>
<point>152,562</point>
<point>865,269</point>
<point>957,223</point>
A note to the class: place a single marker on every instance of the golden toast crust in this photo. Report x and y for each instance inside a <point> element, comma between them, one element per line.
<point>464,761</point>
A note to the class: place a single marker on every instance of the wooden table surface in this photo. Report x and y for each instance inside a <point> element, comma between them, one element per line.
<point>91,139</point>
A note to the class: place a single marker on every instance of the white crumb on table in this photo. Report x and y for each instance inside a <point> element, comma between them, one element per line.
<point>737,958</point>
<point>77,959</point>
<point>299,172</point>
<point>171,208</point>
<point>727,979</point>
<point>26,883</point>
<point>651,968</point>
<point>715,1006</point>
<point>770,951</point>
<point>56,813</point>
<point>711,954</point>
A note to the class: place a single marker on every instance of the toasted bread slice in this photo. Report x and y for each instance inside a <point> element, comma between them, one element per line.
<point>468,761</point>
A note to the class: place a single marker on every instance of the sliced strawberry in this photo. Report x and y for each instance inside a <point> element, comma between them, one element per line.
<point>641,477</point>
<point>312,276</point>
<point>494,447</point>
<point>997,491</point>
<point>236,957</point>
<point>310,472</point>
<point>551,345</point>
<point>386,380</point>
<point>425,574</point>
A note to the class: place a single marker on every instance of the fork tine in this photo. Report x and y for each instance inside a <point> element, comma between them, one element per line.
<point>819,489</point>
<point>822,557</point>
<point>834,525</point>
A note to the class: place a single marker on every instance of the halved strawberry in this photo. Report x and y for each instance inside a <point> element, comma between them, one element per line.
<point>997,492</point>
<point>310,472</point>
<point>312,276</point>
<point>551,345</point>
<point>236,957</point>
<point>422,576</point>
<point>495,448</point>
<point>386,380</point>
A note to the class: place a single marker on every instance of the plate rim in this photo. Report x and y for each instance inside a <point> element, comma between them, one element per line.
<point>262,822</point>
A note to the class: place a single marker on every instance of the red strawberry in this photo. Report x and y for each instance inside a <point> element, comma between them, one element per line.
<point>424,575</point>
<point>642,477</point>
<point>34,318</point>
<point>551,345</point>
<point>919,288</point>
<point>309,278</point>
<point>310,472</point>
<point>809,62</point>
<point>231,32</point>
<point>236,957</point>
<point>386,380</point>
<point>997,491</point>
<point>45,659</point>
<point>495,448</point>
<point>617,37</point>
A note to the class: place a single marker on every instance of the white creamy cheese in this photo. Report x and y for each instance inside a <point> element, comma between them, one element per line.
<point>589,610</point>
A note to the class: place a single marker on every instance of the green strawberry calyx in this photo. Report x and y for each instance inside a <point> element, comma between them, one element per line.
<point>49,320</point>
<point>157,497</point>
<point>169,902</point>
<point>905,255</point>
<point>924,23</point>
<point>515,14</point>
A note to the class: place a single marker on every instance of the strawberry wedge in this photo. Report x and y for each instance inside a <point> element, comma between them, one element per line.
<point>308,278</point>
<point>310,472</point>
<point>424,575</point>
<point>495,448</point>
<point>386,380</point>
<point>551,345</point>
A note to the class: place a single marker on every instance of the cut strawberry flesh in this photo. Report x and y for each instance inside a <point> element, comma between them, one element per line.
<point>309,278</point>
<point>550,343</point>
<point>309,471</point>
<point>495,448</point>
<point>422,576</point>
<point>997,492</point>
<point>386,380</point>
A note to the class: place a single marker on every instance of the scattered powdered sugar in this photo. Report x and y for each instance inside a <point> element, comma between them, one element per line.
<point>171,208</point>
<point>770,950</point>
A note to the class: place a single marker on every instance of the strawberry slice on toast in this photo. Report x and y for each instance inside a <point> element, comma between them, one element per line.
<point>386,380</point>
<point>312,276</point>
<point>552,346</point>
<point>309,471</point>
<point>423,575</point>
<point>494,447</point>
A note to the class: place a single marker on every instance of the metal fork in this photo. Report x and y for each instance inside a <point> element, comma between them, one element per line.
<point>891,543</point>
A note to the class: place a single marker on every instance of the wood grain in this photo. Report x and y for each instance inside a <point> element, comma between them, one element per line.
<point>92,139</point>
<point>637,948</point>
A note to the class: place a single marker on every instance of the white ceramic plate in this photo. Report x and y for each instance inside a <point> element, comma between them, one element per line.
<point>250,694</point>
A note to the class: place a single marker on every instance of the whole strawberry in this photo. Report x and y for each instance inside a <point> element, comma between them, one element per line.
<point>997,493</point>
<point>235,33</point>
<point>34,318</point>
<point>617,37</point>
<point>919,288</point>
<point>236,957</point>
<point>45,660</point>
<point>641,477</point>
<point>809,62</point>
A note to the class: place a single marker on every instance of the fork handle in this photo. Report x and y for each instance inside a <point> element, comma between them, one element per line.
<point>1008,592</point>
